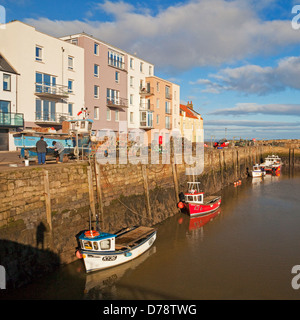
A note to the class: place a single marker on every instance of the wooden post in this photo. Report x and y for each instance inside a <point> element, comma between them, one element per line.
<point>99,192</point>
<point>47,199</point>
<point>174,170</point>
<point>221,168</point>
<point>91,191</point>
<point>48,207</point>
<point>146,188</point>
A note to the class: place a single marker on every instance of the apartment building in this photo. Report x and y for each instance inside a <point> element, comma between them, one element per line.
<point>140,114</point>
<point>176,106</point>
<point>191,123</point>
<point>10,119</point>
<point>105,74</point>
<point>51,81</point>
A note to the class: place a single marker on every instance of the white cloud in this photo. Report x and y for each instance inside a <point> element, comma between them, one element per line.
<point>267,109</point>
<point>182,36</point>
<point>254,79</point>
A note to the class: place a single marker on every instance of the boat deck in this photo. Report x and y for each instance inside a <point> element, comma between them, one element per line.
<point>131,237</point>
<point>209,199</point>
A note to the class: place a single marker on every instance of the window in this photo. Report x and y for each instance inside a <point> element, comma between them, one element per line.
<point>112,96</point>
<point>105,244</point>
<point>70,109</point>
<point>6,82</point>
<point>157,86</point>
<point>108,112</point>
<point>96,113</point>
<point>150,70</point>
<point>74,41</point>
<point>96,49</point>
<point>45,83</point>
<point>141,66</point>
<point>96,70</point>
<point>131,63</point>
<point>168,107</point>
<point>131,117</point>
<point>96,92</point>
<point>70,63</point>
<point>168,94</point>
<point>131,99</point>
<point>157,103</point>
<point>117,115</point>
<point>157,119</point>
<point>4,106</point>
<point>131,81</point>
<point>45,110</point>
<point>38,53</point>
<point>117,77</point>
<point>116,59</point>
<point>168,123</point>
<point>70,86</point>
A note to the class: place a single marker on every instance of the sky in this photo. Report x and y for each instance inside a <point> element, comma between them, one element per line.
<point>238,61</point>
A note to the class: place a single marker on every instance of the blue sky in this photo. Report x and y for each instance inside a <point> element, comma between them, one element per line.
<point>238,61</point>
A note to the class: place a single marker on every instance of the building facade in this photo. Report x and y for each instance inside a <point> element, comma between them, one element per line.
<point>191,123</point>
<point>51,82</point>
<point>10,119</point>
<point>105,74</point>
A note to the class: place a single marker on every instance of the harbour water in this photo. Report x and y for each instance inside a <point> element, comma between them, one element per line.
<point>246,251</point>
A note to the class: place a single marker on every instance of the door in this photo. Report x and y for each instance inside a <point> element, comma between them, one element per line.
<point>3,139</point>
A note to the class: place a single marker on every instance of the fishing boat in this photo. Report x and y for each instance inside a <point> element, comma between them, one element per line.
<point>194,202</point>
<point>199,221</point>
<point>258,171</point>
<point>101,250</point>
<point>272,164</point>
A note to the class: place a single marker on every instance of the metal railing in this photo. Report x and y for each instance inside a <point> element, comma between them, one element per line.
<point>10,119</point>
<point>48,89</point>
<point>117,102</point>
<point>116,63</point>
<point>52,117</point>
<point>147,90</point>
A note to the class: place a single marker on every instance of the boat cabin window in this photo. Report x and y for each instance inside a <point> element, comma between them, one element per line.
<point>105,244</point>
<point>82,125</point>
<point>196,198</point>
<point>87,245</point>
<point>95,244</point>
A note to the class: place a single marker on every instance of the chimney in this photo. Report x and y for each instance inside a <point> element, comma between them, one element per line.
<point>190,104</point>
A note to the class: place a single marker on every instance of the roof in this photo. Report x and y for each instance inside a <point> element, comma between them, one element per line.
<point>188,112</point>
<point>5,66</point>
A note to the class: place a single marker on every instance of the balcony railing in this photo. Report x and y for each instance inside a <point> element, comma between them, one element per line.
<point>168,96</point>
<point>117,103</point>
<point>146,106</point>
<point>116,63</point>
<point>8,119</point>
<point>48,117</point>
<point>147,91</point>
<point>51,91</point>
<point>168,111</point>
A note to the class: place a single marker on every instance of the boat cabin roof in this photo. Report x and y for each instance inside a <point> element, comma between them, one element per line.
<point>102,236</point>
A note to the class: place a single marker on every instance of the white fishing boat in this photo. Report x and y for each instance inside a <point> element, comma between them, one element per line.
<point>101,250</point>
<point>258,171</point>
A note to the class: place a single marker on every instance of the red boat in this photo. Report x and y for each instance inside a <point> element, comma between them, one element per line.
<point>195,203</point>
<point>272,164</point>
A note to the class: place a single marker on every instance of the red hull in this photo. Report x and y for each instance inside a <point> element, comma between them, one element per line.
<point>194,209</point>
<point>200,221</point>
<point>270,170</point>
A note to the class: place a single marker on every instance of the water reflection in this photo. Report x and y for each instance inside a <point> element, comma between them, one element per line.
<point>102,284</point>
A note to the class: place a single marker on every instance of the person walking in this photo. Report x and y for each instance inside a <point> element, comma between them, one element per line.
<point>60,150</point>
<point>41,149</point>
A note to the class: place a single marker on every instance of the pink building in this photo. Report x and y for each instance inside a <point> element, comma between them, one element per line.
<point>105,81</point>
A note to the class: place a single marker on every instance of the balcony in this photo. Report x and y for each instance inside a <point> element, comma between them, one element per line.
<point>116,63</point>
<point>146,106</point>
<point>146,91</point>
<point>8,119</point>
<point>146,119</point>
<point>46,90</point>
<point>119,103</point>
<point>51,118</point>
<point>168,96</point>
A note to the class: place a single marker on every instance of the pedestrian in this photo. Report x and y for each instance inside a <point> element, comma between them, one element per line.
<point>41,149</point>
<point>60,149</point>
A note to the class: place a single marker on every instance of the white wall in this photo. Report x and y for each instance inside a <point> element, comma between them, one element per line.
<point>18,42</point>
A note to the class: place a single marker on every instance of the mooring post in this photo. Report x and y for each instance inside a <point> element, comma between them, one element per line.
<point>91,191</point>
<point>146,189</point>
<point>99,192</point>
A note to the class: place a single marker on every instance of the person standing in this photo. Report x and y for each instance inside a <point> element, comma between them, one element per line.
<point>60,150</point>
<point>41,149</point>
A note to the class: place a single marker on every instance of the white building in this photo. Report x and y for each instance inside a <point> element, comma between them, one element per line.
<point>138,92</point>
<point>51,82</point>
<point>10,118</point>
<point>176,106</point>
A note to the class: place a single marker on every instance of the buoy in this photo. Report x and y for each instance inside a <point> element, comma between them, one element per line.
<point>234,184</point>
<point>180,220</point>
<point>78,254</point>
<point>180,205</point>
<point>91,233</point>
